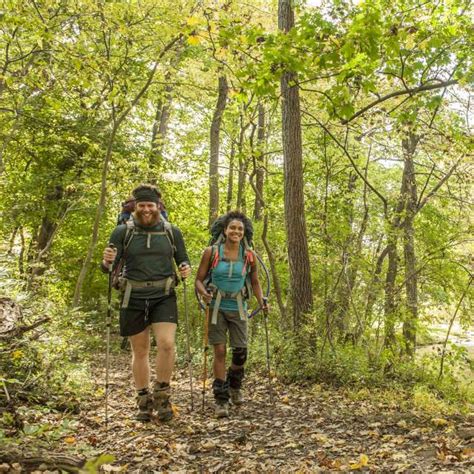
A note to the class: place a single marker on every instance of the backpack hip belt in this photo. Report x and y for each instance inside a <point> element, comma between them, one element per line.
<point>225,294</point>
<point>167,283</point>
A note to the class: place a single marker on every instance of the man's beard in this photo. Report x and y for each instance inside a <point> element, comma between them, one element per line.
<point>152,219</point>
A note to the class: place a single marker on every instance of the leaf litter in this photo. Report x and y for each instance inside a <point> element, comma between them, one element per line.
<point>306,430</point>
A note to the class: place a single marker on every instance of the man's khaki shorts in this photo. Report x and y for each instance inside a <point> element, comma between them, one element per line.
<point>228,321</point>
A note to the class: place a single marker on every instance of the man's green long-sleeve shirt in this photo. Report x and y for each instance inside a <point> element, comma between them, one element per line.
<point>148,256</point>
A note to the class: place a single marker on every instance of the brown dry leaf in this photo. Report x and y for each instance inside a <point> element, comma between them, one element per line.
<point>188,430</point>
<point>324,461</point>
<point>70,440</point>
<point>468,452</point>
<point>208,445</point>
<point>399,439</point>
<point>399,456</point>
<point>111,468</point>
<point>319,437</point>
<point>402,424</point>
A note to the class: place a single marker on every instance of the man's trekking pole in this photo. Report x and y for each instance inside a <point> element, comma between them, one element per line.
<point>265,323</point>
<point>188,346</point>
<point>108,323</point>
<point>206,350</point>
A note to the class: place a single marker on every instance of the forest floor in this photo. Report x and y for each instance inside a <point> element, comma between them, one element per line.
<point>308,429</point>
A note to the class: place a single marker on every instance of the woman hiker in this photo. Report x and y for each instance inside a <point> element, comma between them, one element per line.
<point>229,264</point>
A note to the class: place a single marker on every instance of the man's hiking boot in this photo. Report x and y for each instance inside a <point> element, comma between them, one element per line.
<point>236,396</point>
<point>145,407</point>
<point>161,401</point>
<point>222,409</point>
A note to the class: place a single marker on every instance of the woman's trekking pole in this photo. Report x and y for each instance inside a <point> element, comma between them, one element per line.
<point>188,346</point>
<point>265,323</point>
<point>108,323</point>
<point>206,350</point>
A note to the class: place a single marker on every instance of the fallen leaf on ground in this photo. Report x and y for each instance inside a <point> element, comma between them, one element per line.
<point>363,461</point>
<point>439,421</point>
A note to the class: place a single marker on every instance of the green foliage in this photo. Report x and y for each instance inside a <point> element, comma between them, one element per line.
<point>308,357</point>
<point>72,68</point>
<point>92,466</point>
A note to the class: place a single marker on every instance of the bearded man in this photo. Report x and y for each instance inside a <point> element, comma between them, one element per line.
<point>149,248</point>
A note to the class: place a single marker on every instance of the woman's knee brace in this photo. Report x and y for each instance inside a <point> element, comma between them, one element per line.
<point>239,356</point>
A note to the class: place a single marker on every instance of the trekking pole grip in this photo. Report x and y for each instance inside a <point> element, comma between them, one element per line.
<point>111,265</point>
<point>183,279</point>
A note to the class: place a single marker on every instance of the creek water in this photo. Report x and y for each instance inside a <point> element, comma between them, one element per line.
<point>458,336</point>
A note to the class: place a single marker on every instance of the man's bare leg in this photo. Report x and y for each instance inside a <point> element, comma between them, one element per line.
<point>165,340</point>
<point>140,358</point>
<point>141,373</point>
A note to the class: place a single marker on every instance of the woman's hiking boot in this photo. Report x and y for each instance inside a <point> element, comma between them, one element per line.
<point>222,409</point>
<point>161,401</point>
<point>220,389</point>
<point>145,406</point>
<point>234,378</point>
<point>236,396</point>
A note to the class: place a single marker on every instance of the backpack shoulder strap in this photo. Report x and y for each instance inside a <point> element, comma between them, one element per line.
<point>129,232</point>
<point>214,258</point>
<point>169,233</point>
<point>248,258</point>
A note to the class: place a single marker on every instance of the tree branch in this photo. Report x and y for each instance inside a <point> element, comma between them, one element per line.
<point>344,149</point>
<point>437,186</point>
<point>415,90</point>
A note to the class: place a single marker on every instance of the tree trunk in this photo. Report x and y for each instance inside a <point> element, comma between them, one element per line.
<point>21,256</point>
<point>242,166</point>
<point>214,150</point>
<point>411,275</point>
<point>390,304</point>
<point>159,131</point>
<point>259,164</point>
<point>344,292</point>
<point>326,239</point>
<point>47,231</point>
<point>230,184</point>
<point>241,199</point>
<point>273,270</point>
<point>375,286</point>
<point>98,217</point>
<point>298,255</point>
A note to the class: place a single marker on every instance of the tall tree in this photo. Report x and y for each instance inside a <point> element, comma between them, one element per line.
<point>160,129</point>
<point>411,275</point>
<point>259,163</point>
<point>214,149</point>
<point>298,254</point>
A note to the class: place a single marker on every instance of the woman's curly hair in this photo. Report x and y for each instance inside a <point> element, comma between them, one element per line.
<point>239,216</point>
<point>222,222</point>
